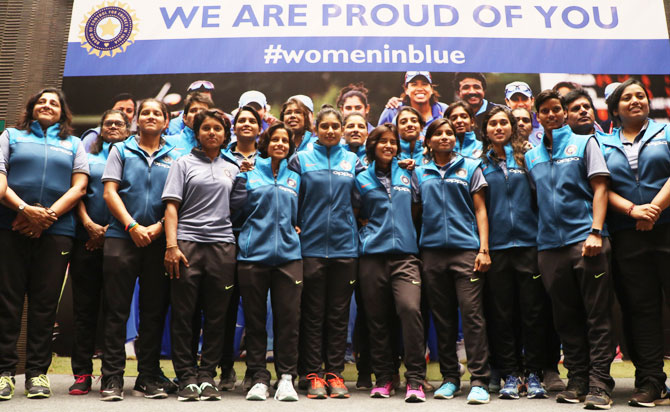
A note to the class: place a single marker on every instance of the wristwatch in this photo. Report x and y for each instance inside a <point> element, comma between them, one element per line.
<point>22,206</point>
<point>595,231</point>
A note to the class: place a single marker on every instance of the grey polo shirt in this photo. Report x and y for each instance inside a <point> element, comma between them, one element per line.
<point>202,187</point>
<point>632,149</point>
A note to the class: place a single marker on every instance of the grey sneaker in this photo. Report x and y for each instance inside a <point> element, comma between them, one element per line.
<point>38,387</point>
<point>228,380</point>
<point>7,383</point>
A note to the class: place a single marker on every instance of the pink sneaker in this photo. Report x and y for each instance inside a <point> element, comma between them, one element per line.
<point>415,393</point>
<point>382,391</point>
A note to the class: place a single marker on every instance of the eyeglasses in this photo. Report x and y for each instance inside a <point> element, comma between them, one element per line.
<point>118,123</point>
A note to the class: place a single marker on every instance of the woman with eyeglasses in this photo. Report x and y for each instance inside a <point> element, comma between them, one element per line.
<point>86,261</point>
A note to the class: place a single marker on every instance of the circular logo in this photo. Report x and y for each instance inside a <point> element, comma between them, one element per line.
<point>66,144</point>
<point>461,172</point>
<point>425,160</point>
<point>228,174</point>
<point>571,150</point>
<point>108,30</point>
<point>345,165</point>
<point>404,180</point>
<point>291,182</point>
<point>366,161</point>
<point>476,153</point>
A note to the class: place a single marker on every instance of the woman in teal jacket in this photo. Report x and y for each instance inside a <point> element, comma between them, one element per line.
<point>390,274</point>
<point>269,259</point>
<point>638,158</point>
<point>329,245</point>
<point>47,172</point>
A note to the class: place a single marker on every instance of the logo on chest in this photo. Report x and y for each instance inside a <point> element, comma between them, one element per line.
<point>571,150</point>
<point>461,173</point>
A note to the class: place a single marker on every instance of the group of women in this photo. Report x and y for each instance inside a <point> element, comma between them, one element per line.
<point>311,212</point>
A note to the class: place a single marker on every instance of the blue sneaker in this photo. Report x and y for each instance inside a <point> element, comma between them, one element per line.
<point>446,391</point>
<point>511,388</point>
<point>535,388</point>
<point>478,395</point>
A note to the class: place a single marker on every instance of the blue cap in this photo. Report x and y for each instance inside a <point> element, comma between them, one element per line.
<point>409,76</point>
<point>518,87</point>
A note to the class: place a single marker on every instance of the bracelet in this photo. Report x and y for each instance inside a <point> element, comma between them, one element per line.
<point>130,225</point>
<point>171,246</point>
<point>630,210</point>
<point>483,252</point>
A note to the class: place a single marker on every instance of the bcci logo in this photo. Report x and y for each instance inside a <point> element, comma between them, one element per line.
<point>108,29</point>
<point>571,150</point>
<point>462,173</point>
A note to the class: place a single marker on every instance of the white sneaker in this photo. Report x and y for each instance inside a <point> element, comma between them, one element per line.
<point>258,392</point>
<point>285,390</point>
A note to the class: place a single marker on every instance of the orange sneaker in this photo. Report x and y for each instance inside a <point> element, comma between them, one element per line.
<point>317,387</point>
<point>337,387</point>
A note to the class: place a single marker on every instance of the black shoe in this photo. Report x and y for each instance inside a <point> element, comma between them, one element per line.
<point>81,385</point>
<point>167,385</point>
<point>228,380</point>
<point>645,396</point>
<point>364,382</point>
<point>111,388</point>
<point>574,393</point>
<point>38,387</point>
<point>188,392</point>
<point>151,387</point>
<point>303,384</point>
<point>208,391</point>
<point>247,383</point>
<point>598,398</point>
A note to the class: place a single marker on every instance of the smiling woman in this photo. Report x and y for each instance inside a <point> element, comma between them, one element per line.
<point>200,252</point>
<point>47,172</point>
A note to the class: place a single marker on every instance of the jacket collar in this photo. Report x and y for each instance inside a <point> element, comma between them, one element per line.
<point>52,131</point>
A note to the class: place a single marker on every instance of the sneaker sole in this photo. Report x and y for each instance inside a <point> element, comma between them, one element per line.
<point>440,396</point>
<point>414,399</point>
<point>643,404</point>
<point>256,398</point>
<point>379,395</point>
<point>288,399</point>
<point>37,395</point>
<point>111,398</point>
<point>144,395</point>
<point>505,395</point>
<point>317,396</point>
<point>594,406</point>
<point>540,395</point>
<point>79,391</point>
<point>187,399</point>
<point>561,399</point>
<point>6,398</point>
<point>210,398</point>
<point>340,395</point>
<point>478,401</point>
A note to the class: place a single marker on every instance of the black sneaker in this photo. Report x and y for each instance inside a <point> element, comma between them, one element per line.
<point>81,385</point>
<point>303,384</point>
<point>598,398</point>
<point>209,392</point>
<point>7,383</point>
<point>645,396</point>
<point>364,382</point>
<point>574,393</point>
<point>150,387</point>
<point>38,387</point>
<point>111,388</point>
<point>167,385</point>
<point>228,380</point>
<point>189,392</point>
<point>247,383</point>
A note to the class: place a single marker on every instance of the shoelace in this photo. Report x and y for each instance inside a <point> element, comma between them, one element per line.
<point>41,380</point>
<point>284,386</point>
<point>316,380</point>
<point>81,378</point>
<point>335,381</point>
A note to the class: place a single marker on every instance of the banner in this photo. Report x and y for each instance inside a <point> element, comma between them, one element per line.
<point>210,36</point>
